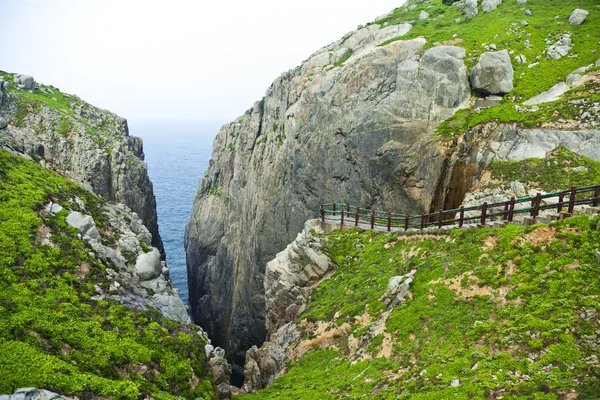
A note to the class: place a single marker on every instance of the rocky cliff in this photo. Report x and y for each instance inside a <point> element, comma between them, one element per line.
<point>372,120</point>
<point>89,145</point>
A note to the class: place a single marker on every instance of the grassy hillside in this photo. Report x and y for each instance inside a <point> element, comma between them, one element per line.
<point>53,335</point>
<point>503,28</point>
<point>510,313</point>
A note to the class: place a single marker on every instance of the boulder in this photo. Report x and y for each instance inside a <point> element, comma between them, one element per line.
<point>33,394</point>
<point>423,15</point>
<point>578,16</point>
<point>490,5</point>
<point>493,74</point>
<point>521,1</point>
<point>520,59</point>
<point>560,48</point>
<point>470,8</point>
<point>3,123</point>
<point>148,265</point>
<point>25,81</point>
<point>84,223</point>
<point>397,289</point>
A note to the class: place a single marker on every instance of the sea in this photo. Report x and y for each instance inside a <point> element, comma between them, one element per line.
<point>177,154</point>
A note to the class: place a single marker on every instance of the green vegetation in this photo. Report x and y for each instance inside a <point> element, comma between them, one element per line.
<point>527,117</point>
<point>342,60</point>
<point>503,28</point>
<point>508,312</point>
<point>53,334</point>
<point>550,173</point>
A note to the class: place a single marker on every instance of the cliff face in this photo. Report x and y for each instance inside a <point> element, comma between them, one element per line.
<point>88,145</point>
<point>372,120</point>
<point>356,129</point>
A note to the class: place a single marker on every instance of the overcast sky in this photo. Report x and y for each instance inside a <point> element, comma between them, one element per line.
<point>171,60</point>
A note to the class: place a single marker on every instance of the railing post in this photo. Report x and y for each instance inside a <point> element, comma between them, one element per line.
<point>483,212</point>
<point>406,219</point>
<point>572,199</point>
<point>422,221</point>
<point>372,219</point>
<point>505,215</point>
<point>511,209</point>
<point>537,200</point>
<point>389,222</point>
<point>596,196</point>
<point>334,208</point>
<point>461,220</point>
<point>441,219</point>
<point>561,199</point>
<point>322,213</point>
<point>356,217</point>
<point>342,219</point>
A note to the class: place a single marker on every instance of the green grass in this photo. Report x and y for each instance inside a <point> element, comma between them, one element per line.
<point>551,173</point>
<point>496,27</point>
<point>52,334</point>
<point>439,335</point>
<point>506,112</point>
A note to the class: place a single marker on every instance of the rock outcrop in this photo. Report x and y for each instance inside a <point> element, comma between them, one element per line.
<point>88,145</point>
<point>323,131</point>
<point>578,16</point>
<point>493,74</point>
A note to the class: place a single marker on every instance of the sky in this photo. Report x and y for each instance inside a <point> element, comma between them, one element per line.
<point>176,60</point>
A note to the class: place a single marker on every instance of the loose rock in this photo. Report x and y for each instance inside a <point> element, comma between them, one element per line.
<point>490,5</point>
<point>470,8</point>
<point>148,265</point>
<point>578,16</point>
<point>3,123</point>
<point>84,223</point>
<point>423,15</point>
<point>493,74</point>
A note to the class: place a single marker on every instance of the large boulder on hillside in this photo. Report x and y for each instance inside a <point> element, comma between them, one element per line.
<point>493,74</point>
<point>25,81</point>
<point>148,265</point>
<point>84,223</point>
<point>490,5</point>
<point>578,16</point>
<point>470,8</point>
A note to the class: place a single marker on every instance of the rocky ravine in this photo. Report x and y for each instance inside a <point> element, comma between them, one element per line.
<point>88,145</point>
<point>354,123</point>
<point>322,132</point>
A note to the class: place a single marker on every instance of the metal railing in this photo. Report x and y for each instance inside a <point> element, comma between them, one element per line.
<point>348,215</point>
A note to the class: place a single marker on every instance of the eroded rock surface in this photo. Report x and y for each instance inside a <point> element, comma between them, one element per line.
<point>88,145</point>
<point>322,132</point>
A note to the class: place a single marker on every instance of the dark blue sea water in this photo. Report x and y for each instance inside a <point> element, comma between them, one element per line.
<point>177,154</point>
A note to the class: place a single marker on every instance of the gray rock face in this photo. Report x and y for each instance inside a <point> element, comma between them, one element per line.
<point>578,16</point>
<point>470,8</point>
<point>551,94</point>
<point>320,133</point>
<point>85,224</point>
<point>291,276</point>
<point>220,373</point>
<point>493,74</point>
<point>490,5</point>
<point>109,161</point>
<point>3,123</point>
<point>148,265</point>
<point>34,394</point>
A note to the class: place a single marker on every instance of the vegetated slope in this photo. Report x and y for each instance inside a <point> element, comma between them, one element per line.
<point>89,145</point>
<point>362,121</point>
<point>510,312</point>
<point>54,333</point>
